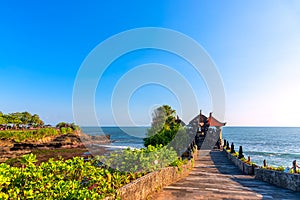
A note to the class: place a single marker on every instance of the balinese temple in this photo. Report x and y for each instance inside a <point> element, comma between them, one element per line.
<point>209,125</point>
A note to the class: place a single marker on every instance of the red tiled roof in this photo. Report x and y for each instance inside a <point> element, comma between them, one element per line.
<point>214,122</point>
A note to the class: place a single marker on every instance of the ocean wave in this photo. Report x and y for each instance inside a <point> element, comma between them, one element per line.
<point>272,154</point>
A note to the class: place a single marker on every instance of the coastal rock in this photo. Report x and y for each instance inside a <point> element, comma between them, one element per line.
<point>10,149</point>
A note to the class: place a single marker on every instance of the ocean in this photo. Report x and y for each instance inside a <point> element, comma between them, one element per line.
<point>280,146</point>
<point>121,137</point>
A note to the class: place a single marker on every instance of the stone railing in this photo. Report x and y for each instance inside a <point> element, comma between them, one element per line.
<point>244,167</point>
<point>278,178</point>
<point>141,188</point>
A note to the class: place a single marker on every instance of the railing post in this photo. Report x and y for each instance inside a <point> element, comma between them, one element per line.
<point>232,148</point>
<point>241,155</point>
<point>227,145</point>
<point>265,163</point>
<point>295,166</point>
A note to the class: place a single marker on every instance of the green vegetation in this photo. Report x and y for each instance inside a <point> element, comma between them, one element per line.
<point>28,135</point>
<point>297,171</point>
<point>67,125</point>
<point>20,118</point>
<point>23,135</point>
<point>163,128</point>
<point>168,134</point>
<point>95,179</point>
<point>76,179</point>
<point>66,128</point>
<point>70,179</point>
<point>142,160</point>
<point>280,168</point>
<point>248,162</point>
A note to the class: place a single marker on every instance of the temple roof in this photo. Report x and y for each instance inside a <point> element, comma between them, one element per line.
<point>214,122</point>
<point>210,120</point>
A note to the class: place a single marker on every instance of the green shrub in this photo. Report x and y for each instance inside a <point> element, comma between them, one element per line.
<point>70,130</point>
<point>140,160</point>
<point>70,179</point>
<point>63,130</point>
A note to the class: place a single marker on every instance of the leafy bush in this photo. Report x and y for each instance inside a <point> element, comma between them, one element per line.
<point>297,171</point>
<point>280,168</point>
<point>140,160</point>
<point>70,179</point>
<point>235,154</point>
<point>63,130</point>
<point>68,126</point>
<point>247,162</point>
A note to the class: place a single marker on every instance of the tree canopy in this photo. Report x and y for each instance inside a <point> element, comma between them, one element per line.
<point>18,118</point>
<point>164,127</point>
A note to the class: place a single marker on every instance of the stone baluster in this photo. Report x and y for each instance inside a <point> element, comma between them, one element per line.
<point>227,145</point>
<point>241,155</point>
<point>295,166</point>
<point>265,163</point>
<point>232,148</point>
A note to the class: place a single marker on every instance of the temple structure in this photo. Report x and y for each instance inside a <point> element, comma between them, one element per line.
<point>209,129</point>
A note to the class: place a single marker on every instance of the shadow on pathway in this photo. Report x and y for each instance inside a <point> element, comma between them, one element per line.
<point>215,177</point>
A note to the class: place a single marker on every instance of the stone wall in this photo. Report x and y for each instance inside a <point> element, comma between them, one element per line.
<point>141,188</point>
<point>244,167</point>
<point>278,178</point>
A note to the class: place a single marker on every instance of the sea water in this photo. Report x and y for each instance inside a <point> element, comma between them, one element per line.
<point>278,145</point>
<point>121,137</point>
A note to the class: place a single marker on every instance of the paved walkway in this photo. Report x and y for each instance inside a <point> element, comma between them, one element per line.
<point>215,177</point>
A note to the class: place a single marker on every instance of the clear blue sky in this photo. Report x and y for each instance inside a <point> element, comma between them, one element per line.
<point>255,45</point>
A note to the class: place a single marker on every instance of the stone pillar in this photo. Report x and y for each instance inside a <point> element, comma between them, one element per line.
<point>295,166</point>
<point>227,145</point>
<point>232,148</point>
<point>241,155</point>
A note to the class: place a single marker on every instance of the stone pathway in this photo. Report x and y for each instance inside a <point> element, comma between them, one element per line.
<point>215,177</point>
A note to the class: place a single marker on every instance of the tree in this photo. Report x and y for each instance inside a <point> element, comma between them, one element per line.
<point>164,127</point>
<point>19,118</point>
<point>25,117</point>
<point>14,118</point>
<point>36,121</point>
<point>3,120</point>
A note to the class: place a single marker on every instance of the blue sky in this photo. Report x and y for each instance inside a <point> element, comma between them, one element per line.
<point>254,44</point>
